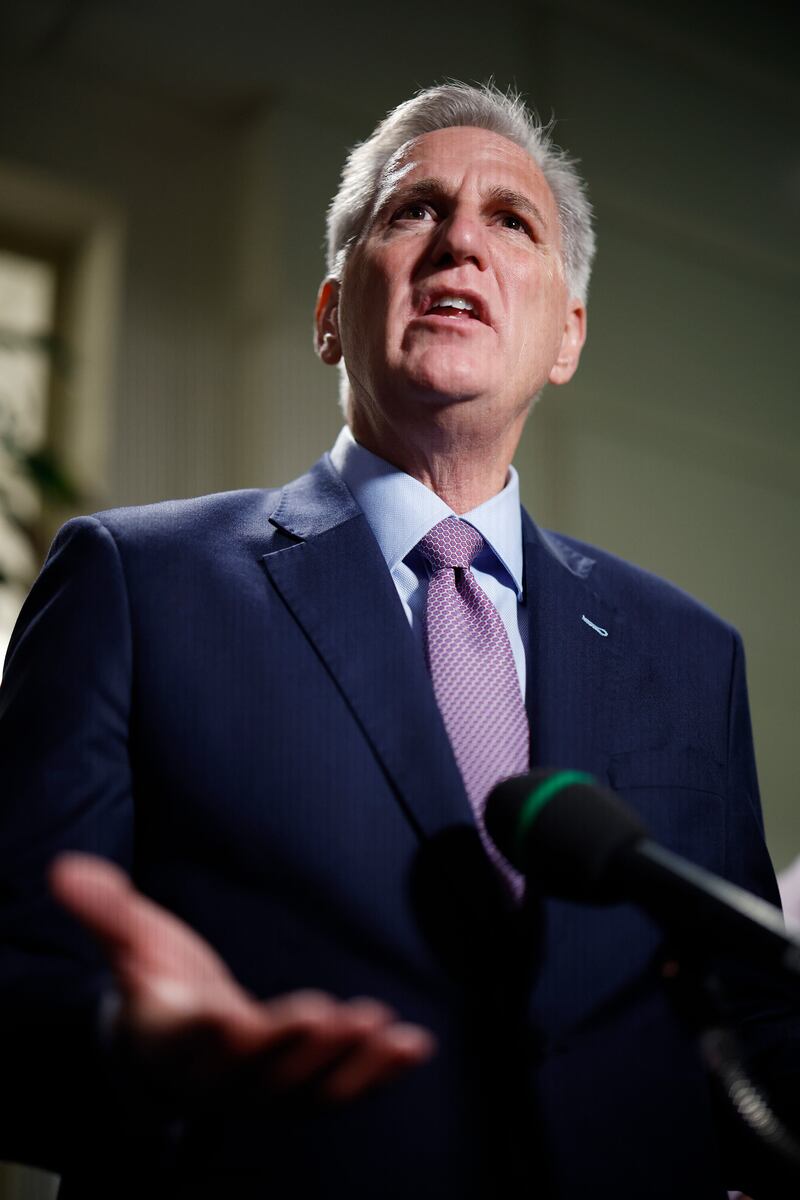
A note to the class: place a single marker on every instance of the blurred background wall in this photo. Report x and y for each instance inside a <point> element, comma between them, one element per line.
<point>172,160</point>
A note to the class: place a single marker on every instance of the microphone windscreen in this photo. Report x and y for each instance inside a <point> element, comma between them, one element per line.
<point>563,831</point>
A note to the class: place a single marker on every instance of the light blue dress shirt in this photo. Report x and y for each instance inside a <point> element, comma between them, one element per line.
<point>401,510</point>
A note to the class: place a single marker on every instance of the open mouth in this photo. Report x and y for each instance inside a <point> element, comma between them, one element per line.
<point>454,307</point>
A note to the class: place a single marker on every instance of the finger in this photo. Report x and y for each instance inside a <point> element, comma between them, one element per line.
<point>266,1025</point>
<point>310,1053</point>
<point>303,1015</point>
<point>378,1060</point>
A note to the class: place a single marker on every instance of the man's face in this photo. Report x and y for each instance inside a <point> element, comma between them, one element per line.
<point>456,293</point>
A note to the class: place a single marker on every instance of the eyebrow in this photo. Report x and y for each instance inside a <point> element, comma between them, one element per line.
<point>425,189</point>
<point>508,198</point>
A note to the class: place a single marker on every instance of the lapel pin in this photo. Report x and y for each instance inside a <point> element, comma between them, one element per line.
<point>597,628</point>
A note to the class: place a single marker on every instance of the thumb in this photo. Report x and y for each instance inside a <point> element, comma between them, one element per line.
<point>100,895</point>
<point>144,942</point>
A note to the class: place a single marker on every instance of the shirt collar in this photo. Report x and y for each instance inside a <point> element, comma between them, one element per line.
<point>400,510</point>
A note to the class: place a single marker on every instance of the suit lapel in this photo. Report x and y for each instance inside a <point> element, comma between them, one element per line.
<point>575,645</point>
<point>335,582</point>
<point>577,676</point>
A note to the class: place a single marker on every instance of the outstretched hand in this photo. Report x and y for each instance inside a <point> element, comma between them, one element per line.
<point>188,1024</point>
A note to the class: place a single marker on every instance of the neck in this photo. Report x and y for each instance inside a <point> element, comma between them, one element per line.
<point>465,462</point>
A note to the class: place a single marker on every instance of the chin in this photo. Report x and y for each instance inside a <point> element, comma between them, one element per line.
<point>450,380</point>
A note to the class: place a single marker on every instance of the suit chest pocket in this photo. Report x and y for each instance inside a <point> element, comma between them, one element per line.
<point>679,793</point>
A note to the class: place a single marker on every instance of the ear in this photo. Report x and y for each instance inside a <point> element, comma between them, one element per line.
<point>326,321</point>
<point>572,339</point>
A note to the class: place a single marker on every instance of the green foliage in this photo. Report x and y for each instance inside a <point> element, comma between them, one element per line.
<point>50,478</point>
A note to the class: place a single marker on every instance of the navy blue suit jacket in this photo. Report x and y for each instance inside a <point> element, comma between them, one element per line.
<point>224,696</point>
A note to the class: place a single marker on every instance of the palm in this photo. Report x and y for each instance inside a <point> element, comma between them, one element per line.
<point>187,1018</point>
<point>164,969</point>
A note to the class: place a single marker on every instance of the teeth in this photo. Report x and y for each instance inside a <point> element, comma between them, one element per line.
<point>454,302</point>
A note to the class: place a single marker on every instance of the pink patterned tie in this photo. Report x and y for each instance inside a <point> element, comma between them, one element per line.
<point>474,677</point>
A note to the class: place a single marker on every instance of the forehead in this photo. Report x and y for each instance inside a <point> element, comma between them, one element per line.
<point>464,155</point>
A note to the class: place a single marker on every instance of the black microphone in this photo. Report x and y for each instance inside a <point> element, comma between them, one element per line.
<point>576,840</point>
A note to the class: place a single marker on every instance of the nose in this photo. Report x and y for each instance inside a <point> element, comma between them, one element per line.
<point>461,238</point>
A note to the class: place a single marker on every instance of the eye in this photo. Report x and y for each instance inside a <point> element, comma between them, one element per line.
<point>412,212</point>
<point>511,221</point>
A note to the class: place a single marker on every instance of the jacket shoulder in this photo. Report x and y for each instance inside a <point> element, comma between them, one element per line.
<point>219,513</point>
<point>213,531</point>
<point>631,587</point>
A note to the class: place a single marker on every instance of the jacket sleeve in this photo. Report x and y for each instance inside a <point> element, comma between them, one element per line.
<point>65,784</point>
<point>765,1018</point>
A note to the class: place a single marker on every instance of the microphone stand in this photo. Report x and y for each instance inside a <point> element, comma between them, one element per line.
<point>698,993</point>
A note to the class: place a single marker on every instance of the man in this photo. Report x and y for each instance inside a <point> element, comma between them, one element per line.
<point>280,713</point>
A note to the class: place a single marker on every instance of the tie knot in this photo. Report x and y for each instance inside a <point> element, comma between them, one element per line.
<point>451,543</point>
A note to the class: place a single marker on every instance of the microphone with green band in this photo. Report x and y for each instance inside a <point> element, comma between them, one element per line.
<point>576,840</point>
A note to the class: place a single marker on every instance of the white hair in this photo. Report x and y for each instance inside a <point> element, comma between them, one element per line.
<point>460,104</point>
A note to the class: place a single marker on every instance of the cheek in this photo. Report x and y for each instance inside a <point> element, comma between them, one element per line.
<point>370,308</point>
<point>538,338</point>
